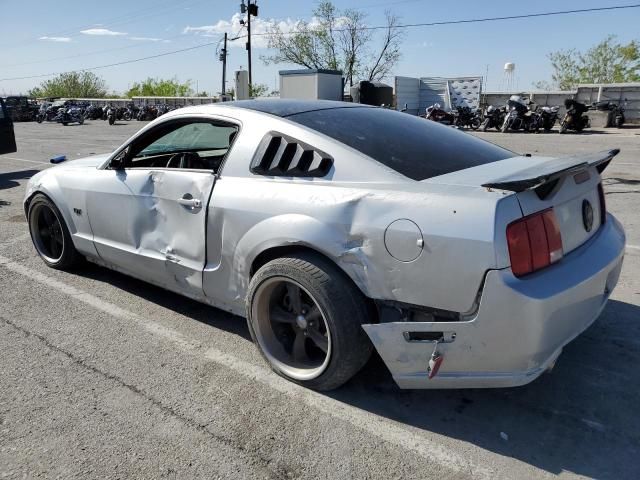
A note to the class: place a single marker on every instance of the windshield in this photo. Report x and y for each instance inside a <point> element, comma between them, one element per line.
<point>410,145</point>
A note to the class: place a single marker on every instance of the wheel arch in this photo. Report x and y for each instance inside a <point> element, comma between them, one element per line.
<point>279,251</point>
<point>53,194</point>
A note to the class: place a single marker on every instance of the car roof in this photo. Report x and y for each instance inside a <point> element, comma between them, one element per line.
<point>284,107</point>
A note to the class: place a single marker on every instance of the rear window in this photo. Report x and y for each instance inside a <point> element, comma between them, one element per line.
<point>415,147</point>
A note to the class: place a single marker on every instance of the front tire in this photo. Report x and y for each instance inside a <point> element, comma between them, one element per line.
<point>50,235</point>
<point>563,127</point>
<point>306,318</point>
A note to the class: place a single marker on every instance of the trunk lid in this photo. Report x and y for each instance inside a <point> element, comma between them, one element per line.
<point>569,185</point>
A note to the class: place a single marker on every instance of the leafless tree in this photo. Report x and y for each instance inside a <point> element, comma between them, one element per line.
<point>339,40</point>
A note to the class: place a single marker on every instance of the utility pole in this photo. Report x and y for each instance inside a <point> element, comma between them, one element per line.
<point>251,9</point>
<point>223,59</point>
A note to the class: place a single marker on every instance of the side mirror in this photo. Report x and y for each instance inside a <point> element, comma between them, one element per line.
<point>118,162</point>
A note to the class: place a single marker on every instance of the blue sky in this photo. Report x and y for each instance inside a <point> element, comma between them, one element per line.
<point>39,37</point>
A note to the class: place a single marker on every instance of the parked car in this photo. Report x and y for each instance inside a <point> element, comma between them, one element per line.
<point>20,108</point>
<point>336,228</point>
<point>7,136</point>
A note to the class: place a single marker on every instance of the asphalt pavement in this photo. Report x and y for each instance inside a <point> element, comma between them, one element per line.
<point>103,376</point>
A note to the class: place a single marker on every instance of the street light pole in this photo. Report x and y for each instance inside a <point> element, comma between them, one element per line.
<point>224,66</point>
<point>249,43</point>
<point>251,9</point>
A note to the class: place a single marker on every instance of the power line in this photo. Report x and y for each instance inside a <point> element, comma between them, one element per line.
<point>479,20</point>
<point>96,52</point>
<point>125,62</point>
<point>408,25</point>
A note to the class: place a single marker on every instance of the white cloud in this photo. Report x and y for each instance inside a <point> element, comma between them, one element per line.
<point>102,32</point>
<point>259,27</point>
<point>56,39</point>
<point>148,39</point>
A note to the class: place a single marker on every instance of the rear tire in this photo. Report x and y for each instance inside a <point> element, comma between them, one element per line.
<point>50,235</point>
<point>327,301</point>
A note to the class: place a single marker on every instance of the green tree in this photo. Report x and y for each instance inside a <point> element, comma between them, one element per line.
<point>156,87</point>
<point>339,40</point>
<point>258,90</point>
<point>72,85</point>
<point>607,62</point>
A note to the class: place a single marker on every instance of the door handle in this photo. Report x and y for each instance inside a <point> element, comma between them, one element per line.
<point>189,201</point>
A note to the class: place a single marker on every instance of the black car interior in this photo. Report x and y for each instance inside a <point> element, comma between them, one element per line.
<point>185,144</point>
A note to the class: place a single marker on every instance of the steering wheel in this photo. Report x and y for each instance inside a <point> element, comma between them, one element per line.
<point>184,159</point>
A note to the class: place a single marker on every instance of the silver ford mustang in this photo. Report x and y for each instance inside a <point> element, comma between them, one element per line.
<point>337,228</point>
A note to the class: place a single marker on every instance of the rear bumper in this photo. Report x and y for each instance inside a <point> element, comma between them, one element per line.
<point>520,327</point>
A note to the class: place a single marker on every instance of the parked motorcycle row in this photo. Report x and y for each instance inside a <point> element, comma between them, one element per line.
<point>520,114</point>
<point>66,112</point>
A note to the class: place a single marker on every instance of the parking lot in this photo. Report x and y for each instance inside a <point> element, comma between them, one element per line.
<point>105,376</point>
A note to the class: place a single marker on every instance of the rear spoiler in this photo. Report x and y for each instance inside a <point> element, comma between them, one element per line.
<point>553,169</point>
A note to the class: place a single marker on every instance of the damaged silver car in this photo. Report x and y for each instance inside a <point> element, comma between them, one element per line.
<point>336,228</point>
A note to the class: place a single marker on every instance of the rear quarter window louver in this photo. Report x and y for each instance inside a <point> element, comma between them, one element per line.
<point>280,155</point>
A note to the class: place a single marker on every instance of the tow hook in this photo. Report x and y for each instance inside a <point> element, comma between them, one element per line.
<point>435,361</point>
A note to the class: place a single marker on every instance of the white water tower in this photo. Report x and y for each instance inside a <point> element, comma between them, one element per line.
<point>507,81</point>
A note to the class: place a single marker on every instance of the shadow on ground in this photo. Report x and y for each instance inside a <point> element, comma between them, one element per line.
<point>581,417</point>
<point>10,179</point>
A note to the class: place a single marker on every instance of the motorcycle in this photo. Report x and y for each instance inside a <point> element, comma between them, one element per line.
<point>147,112</point>
<point>616,117</point>
<point>548,117</point>
<point>576,118</point>
<point>111,114</point>
<point>49,112</point>
<point>130,112</point>
<point>437,114</point>
<point>465,117</point>
<point>493,118</point>
<point>520,116</point>
<point>70,114</point>
<point>93,112</point>
<point>162,109</point>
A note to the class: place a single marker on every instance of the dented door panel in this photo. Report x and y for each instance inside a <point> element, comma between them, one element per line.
<point>152,223</point>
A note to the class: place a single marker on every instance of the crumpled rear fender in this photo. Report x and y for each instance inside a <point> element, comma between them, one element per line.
<point>288,230</point>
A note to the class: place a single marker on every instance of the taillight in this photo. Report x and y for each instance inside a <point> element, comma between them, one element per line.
<point>603,205</point>
<point>534,242</point>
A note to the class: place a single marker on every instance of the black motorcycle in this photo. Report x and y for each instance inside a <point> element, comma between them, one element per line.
<point>130,112</point>
<point>147,112</point>
<point>615,117</point>
<point>520,116</point>
<point>493,118</point>
<point>93,112</point>
<point>70,114</point>
<point>548,117</point>
<point>465,117</point>
<point>162,109</point>
<point>576,118</point>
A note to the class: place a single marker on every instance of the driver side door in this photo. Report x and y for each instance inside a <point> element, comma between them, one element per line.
<point>7,136</point>
<point>148,209</point>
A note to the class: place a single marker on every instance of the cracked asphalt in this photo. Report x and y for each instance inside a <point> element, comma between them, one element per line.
<point>103,376</point>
